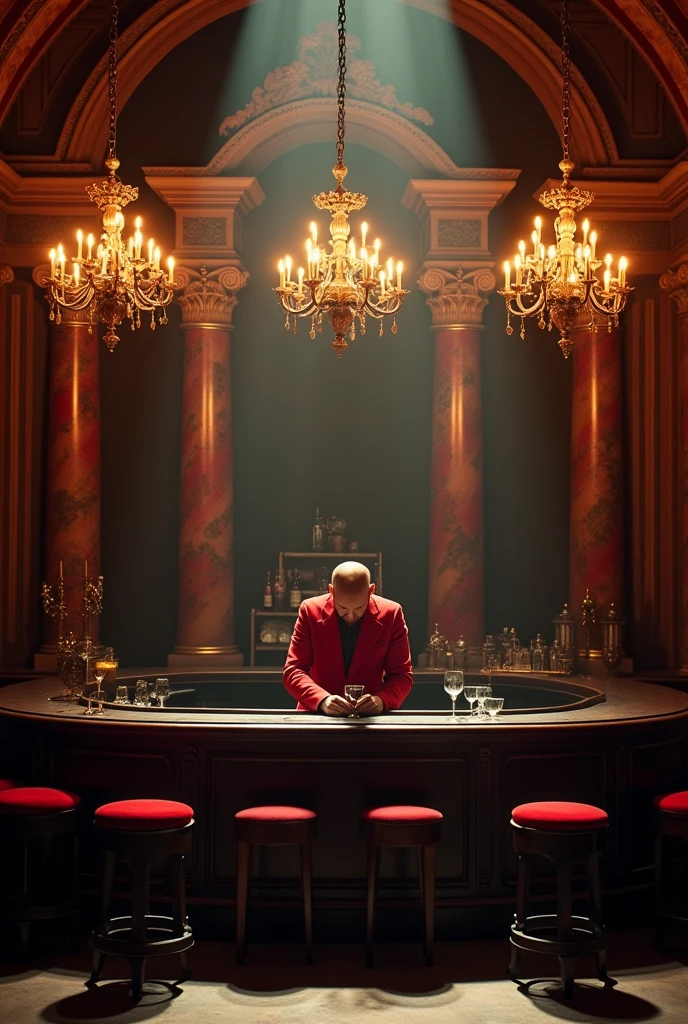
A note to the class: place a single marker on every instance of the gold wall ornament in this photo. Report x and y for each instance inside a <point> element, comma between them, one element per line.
<point>560,283</point>
<point>455,298</point>
<point>347,283</point>
<point>112,281</point>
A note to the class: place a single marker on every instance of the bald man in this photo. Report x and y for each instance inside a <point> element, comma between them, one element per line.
<point>349,635</point>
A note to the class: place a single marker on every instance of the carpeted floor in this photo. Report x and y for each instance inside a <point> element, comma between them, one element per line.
<point>467,984</point>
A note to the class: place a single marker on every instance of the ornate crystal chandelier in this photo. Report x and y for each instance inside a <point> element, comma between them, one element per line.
<point>561,284</point>
<point>347,283</point>
<point>113,280</point>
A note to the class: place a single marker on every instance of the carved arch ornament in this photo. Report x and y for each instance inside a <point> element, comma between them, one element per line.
<point>498,24</point>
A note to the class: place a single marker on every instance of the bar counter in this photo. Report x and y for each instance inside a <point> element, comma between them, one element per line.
<point>618,753</point>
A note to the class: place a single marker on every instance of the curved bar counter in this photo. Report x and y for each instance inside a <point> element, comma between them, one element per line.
<point>617,752</point>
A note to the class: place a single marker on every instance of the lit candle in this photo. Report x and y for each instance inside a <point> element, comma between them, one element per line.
<point>400,267</point>
<point>623,263</point>
<point>79,240</point>
<point>352,249</point>
<point>89,242</point>
<point>522,249</point>
<point>507,275</point>
<point>287,264</point>
<point>170,267</point>
<point>607,279</point>
<point>364,232</point>
<point>280,267</point>
<point>517,264</point>
<point>131,247</point>
<point>138,237</point>
<point>586,256</point>
<point>538,228</point>
<point>314,232</point>
<point>300,273</point>
<point>157,258</point>
<point>76,273</point>
<point>534,239</point>
<point>51,254</point>
<point>579,252</point>
<point>309,258</point>
<point>593,243</point>
<point>382,283</point>
<point>364,262</point>
<point>608,261</point>
<point>62,259</point>
<point>151,243</point>
<point>542,252</point>
<point>316,262</point>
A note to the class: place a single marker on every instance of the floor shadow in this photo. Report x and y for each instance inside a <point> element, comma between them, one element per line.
<point>591,1002</point>
<point>102,1002</point>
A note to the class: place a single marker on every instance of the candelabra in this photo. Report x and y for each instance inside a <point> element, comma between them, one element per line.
<point>348,282</point>
<point>560,284</point>
<point>111,281</point>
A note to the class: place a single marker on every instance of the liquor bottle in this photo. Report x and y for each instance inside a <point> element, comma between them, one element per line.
<point>267,596</point>
<point>279,593</point>
<point>295,590</point>
<point>318,532</point>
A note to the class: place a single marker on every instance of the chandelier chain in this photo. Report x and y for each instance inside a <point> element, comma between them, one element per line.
<point>341,82</point>
<point>565,77</point>
<point>112,82</point>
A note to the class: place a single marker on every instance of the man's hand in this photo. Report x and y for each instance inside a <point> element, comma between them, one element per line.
<point>336,705</point>
<point>369,705</point>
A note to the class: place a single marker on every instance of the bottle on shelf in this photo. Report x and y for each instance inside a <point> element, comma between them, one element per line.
<point>279,593</point>
<point>319,532</point>
<point>267,595</point>
<point>295,590</point>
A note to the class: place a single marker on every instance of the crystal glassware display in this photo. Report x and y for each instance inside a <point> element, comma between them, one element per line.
<point>353,693</point>
<point>141,696</point>
<point>481,695</point>
<point>493,705</point>
<point>453,685</point>
<point>470,693</point>
<point>161,690</point>
<point>121,695</point>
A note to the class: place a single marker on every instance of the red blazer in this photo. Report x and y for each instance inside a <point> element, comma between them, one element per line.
<point>381,663</point>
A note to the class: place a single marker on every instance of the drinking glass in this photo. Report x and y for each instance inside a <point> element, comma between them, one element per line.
<point>493,705</point>
<point>141,698</point>
<point>471,695</point>
<point>96,699</point>
<point>481,695</point>
<point>122,695</point>
<point>161,690</point>
<point>453,685</point>
<point>353,692</point>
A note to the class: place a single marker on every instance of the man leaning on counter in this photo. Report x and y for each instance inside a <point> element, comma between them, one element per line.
<point>349,635</point>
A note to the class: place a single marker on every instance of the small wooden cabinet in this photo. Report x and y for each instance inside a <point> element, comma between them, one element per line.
<point>306,562</point>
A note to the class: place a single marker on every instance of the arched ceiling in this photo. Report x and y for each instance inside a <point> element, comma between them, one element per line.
<point>523,34</point>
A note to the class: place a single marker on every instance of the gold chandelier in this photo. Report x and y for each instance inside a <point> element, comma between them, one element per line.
<point>113,281</point>
<point>347,283</point>
<point>560,285</point>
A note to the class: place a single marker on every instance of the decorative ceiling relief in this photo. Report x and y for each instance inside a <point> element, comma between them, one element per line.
<point>315,74</point>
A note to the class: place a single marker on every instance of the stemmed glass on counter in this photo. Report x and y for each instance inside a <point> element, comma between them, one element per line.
<point>353,693</point>
<point>453,685</point>
<point>493,705</point>
<point>161,690</point>
<point>97,698</point>
<point>482,693</point>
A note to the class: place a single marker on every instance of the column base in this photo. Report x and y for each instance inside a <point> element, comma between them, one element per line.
<point>198,657</point>
<point>45,659</point>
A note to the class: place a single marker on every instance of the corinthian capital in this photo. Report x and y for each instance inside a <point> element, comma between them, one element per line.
<point>454,297</point>
<point>209,297</point>
<point>675,282</point>
<point>6,274</point>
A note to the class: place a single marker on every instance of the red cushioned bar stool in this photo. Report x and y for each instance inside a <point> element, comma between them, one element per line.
<point>671,821</point>
<point>274,825</point>
<point>403,825</point>
<point>567,834</point>
<point>39,866</point>
<point>143,832</point>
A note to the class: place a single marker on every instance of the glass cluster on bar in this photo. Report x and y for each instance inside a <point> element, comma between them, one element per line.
<point>346,282</point>
<point>561,283</point>
<point>111,279</point>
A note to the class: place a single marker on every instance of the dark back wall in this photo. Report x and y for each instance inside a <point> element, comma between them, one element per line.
<point>352,436</point>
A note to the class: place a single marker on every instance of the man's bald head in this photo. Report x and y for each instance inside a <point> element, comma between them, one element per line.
<point>351,589</point>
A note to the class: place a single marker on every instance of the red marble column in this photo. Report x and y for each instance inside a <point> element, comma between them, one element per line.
<point>456,566</point>
<point>596,530</point>
<point>72,521</point>
<point>675,282</point>
<point>206,536</point>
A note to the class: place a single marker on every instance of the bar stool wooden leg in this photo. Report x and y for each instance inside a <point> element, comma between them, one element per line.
<point>596,911</point>
<point>138,970</point>
<point>243,863</point>
<point>307,886</point>
<point>373,869</point>
<point>109,861</point>
<point>428,858</point>
<point>522,891</point>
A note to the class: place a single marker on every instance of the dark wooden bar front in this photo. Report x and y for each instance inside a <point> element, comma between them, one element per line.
<point>618,754</point>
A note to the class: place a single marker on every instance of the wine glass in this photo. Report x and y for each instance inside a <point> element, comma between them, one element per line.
<point>161,690</point>
<point>493,705</point>
<point>353,692</point>
<point>470,693</point>
<point>453,685</point>
<point>481,694</point>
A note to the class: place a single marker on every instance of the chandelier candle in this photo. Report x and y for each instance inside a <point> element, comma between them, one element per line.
<point>346,283</point>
